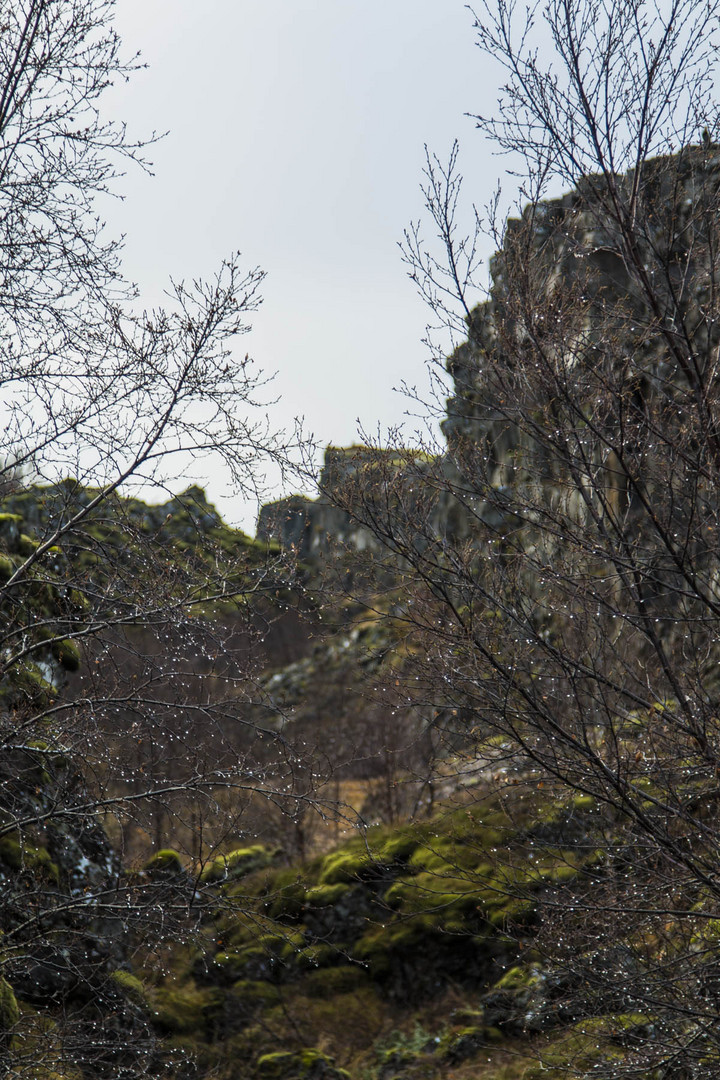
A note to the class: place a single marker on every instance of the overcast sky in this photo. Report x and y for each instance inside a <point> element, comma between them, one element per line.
<point>296,135</point>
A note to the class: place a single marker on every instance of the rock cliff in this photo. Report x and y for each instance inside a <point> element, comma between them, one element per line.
<point>311,528</point>
<point>566,251</point>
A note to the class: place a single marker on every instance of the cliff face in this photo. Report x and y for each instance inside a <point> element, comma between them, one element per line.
<point>561,253</point>
<point>357,486</point>
<point>573,250</point>
<point>313,527</point>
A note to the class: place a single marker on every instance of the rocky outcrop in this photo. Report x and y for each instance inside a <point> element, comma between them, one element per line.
<point>563,251</point>
<point>573,247</point>
<point>64,945</point>
<point>311,528</point>
<point>359,488</point>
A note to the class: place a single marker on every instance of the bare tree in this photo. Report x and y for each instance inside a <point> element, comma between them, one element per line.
<point>128,631</point>
<point>565,549</point>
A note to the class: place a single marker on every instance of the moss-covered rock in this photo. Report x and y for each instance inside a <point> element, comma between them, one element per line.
<point>185,1008</point>
<point>330,982</point>
<point>450,898</point>
<point>303,1065</point>
<point>446,855</point>
<point>397,846</point>
<point>460,1044</point>
<point>20,856</point>
<point>346,865</point>
<point>130,986</point>
<point>286,896</point>
<point>9,1010</point>
<point>26,685</point>
<point>67,653</point>
<point>166,862</point>
<point>318,955</point>
<point>238,863</point>
<point>320,896</point>
<point>26,546</point>
<point>256,993</point>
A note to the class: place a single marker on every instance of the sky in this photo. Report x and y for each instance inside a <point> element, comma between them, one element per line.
<point>295,134</point>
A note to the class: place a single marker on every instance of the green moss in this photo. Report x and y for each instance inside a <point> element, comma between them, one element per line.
<point>252,958</point>
<point>232,963</point>
<point>320,955</point>
<point>287,900</point>
<point>519,979</point>
<point>450,897</point>
<point>584,802</point>
<point>559,874</point>
<point>325,895</point>
<point>130,986</point>
<point>305,1065</point>
<point>78,599</point>
<point>397,848</point>
<point>329,983</point>
<point>514,914</point>
<point>255,992</point>
<point>248,953</point>
<point>447,855</point>
<point>457,1046</point>
<point>493,1035</point>
<point>577,1053</point>
<point>23,856</point>
<point>344,866</point>
<point>238,864</point>
<point>24,685</point>
<point>185,1009</point>
<point>67,653</point>
<point>166,862</point>
<point>9,1011</point>
<point>41,863</point>
<point>380,943</point>
<point>559,813</point>
<point>621,1028</point>
<point>282,946</point>
<point>26,545</point>
<point>7,567</point>
<point>241,928</point>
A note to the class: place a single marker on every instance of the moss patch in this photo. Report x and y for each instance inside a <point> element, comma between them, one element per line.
<point>325,895</point>
<point>304,1065</point>
<point>67,653</point>
<point>186,1008</point>
<point>166,862</point>
<point>22,856</point>
<point>237,864</point>
<point>344,866</point>
<point>130,986</point>
<point>9,1011</point>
